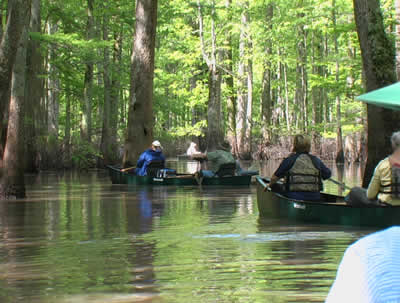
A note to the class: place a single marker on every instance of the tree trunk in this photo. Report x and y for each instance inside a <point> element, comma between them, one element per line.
<point>245,82</point>
<point>53,84</point>
<point>12,175</point>
<point>378,58</point>
<point>231,101</point>
<point>34,89</point>
<point>86,127</point>
<point>266,101</point>
<point>107,147</point>
<point>339,138</point>
<point>8,50</point>
<point>397,5</point>
<point>140,118</point>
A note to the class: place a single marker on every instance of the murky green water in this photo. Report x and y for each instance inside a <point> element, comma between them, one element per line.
<point>77,238</point>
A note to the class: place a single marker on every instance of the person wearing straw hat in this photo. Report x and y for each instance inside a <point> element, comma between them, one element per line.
<point>154,153</point>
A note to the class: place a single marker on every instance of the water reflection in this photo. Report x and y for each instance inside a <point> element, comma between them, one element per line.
<point>80,239</point>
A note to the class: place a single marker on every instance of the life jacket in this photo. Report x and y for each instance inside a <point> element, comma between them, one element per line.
<point>393,188</point>
<point>304,175</point>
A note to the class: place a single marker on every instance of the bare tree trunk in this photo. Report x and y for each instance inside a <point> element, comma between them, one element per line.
<point>53,84</point>
<point>378,58</point>
<point>397,5</point>
<point>140,119</point>
<point>86,127</point>
<point>8,50</point>
<point>107,147</point>
<point>231,102</point>
<point>12,176</point>
<point>214,126</point>
<point>34,89</point>
<point>266,100</point>
<point>244,95</point>
<point>339,139</point>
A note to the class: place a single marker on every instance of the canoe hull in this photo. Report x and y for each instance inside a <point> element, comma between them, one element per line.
<point>118,177</point>
<point>272,205</point>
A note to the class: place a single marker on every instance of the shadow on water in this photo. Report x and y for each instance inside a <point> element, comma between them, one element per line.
<point>77,238</point>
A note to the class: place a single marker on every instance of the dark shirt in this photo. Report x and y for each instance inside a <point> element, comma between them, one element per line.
<point>288,163</point>
<point>145,158</point>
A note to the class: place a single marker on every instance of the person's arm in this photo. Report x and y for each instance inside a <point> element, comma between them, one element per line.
<point>199,157</point>
<point>141,160</point>
<point>281,171</point>
<point>325,171</point>
<point>375,184</point>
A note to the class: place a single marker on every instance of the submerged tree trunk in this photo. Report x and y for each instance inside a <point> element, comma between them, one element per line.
<point>378,58</point>
<point>8,49</point>
<point>34,89</point>
<point>12,176</point>
<point>86,127</point>
<point>140,119</point>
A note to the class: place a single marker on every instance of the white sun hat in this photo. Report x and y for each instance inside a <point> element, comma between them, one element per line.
<point>157,144</point>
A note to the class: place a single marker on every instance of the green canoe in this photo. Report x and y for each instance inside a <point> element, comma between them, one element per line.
<point>118,177</point>
<point>330,210</point>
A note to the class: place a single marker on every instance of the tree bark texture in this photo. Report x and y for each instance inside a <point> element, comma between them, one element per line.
<point>140,117</point>
<point>53,84</point>
<point>378,58</point>
<point>12,174</point>
<point>16,13</point>
<point>34,89</point>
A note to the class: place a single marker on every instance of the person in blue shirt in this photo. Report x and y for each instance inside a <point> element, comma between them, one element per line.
<point>152,154</point>
<point>302,171</point>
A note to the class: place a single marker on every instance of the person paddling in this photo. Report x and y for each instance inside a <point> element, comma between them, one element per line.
<point>384,187</point>
<point>302,171</point>
<point>154,153</point>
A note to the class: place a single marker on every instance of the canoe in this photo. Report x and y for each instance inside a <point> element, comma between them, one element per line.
<point>330,210</point>
<point>119,177</point>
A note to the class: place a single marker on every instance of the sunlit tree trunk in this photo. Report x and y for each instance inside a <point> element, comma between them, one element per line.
<point>12,175</point>
<point>8,50</point>
<point>86,127</point>
<point>378,58</point>
<point>140,119</point>
<point>34,89</point>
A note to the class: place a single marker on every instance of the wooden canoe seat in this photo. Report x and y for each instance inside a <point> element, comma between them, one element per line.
<point>226,170</point>
<point>153,167</point>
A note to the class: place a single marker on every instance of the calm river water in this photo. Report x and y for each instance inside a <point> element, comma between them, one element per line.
<point>77,238</point>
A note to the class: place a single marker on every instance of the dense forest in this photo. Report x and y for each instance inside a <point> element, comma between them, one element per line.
<point>87,83</point>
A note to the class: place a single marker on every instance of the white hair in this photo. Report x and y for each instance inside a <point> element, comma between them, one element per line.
<point>395,139</point>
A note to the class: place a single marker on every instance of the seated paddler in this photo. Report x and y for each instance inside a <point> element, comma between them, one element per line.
<point>384,186</point>
<point>216,158</point>
<point>303,172</point>
<point>154,153</point>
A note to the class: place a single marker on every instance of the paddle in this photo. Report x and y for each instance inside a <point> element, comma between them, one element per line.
<point>128,168</point>
<point>339,183</point>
